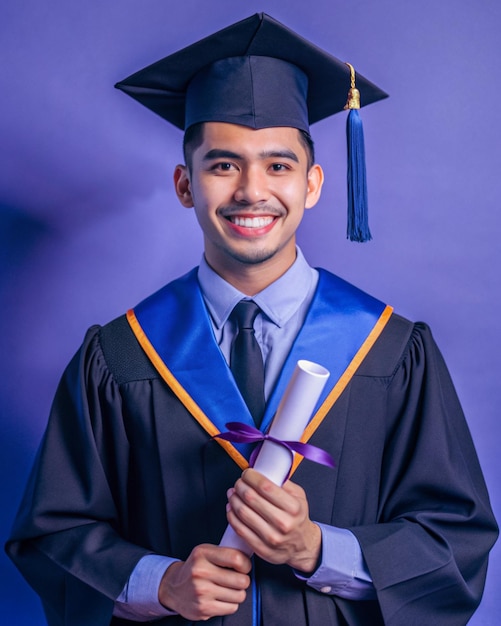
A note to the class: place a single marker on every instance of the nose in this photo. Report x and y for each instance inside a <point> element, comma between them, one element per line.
<point>252,186</point>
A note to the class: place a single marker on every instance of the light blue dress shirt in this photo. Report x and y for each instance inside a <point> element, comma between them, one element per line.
<point>284,304</point>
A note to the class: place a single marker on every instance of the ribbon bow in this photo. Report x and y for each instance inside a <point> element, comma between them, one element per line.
<point>238,432</point>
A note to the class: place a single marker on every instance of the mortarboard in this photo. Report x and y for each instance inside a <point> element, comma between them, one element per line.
<point>259,73</point>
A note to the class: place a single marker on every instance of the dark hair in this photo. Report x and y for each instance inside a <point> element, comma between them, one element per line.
<point>309,146</point>
<point>194,136</point>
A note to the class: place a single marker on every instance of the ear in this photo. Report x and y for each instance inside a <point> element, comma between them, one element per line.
<point>182,186</point>
<point>315,182</point>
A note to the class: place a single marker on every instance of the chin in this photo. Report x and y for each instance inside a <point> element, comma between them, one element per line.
<point>253,257</point>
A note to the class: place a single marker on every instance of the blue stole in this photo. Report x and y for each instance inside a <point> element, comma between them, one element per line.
<point>174,328</point>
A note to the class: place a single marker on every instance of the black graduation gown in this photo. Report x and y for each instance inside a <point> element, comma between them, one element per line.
<point>124,470</point>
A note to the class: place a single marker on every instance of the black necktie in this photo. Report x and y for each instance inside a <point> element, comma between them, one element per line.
<point>246,360</point>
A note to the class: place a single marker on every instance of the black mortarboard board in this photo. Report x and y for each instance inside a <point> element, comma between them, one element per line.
<point>256,73</point>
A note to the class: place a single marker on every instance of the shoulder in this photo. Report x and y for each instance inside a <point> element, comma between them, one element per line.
<point>400,341</point>
<point>395,340</point>
<point>124,356</point>
<point>121,351</point>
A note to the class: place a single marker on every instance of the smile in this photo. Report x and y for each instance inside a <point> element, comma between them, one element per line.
<point>251,222</point>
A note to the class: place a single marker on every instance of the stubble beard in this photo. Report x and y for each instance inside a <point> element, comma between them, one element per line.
<point>255,256</point>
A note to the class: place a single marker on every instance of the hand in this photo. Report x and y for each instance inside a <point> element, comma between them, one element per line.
<point>212,581</point>
<point>274,521</point>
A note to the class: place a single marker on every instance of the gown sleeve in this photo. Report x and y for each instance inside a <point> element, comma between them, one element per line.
<point>67,539</point>
<point>427,554</point>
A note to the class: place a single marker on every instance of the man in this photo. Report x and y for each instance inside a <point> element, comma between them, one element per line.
<point>131,492</point>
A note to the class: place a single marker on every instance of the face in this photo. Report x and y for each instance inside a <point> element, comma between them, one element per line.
<point>249,189</point>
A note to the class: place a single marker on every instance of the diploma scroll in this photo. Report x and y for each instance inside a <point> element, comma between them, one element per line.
<point>293,414</point>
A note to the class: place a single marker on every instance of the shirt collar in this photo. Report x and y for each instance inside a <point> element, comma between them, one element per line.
<point>279,301</point>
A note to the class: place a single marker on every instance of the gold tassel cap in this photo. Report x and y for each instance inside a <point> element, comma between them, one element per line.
<point>353,101</point>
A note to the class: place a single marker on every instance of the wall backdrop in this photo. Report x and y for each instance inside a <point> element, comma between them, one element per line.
<point>89,224</point>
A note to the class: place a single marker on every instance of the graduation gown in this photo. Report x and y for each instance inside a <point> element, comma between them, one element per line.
<point>125,470</point>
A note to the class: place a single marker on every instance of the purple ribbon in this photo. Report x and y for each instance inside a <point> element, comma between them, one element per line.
<point>238,432</point>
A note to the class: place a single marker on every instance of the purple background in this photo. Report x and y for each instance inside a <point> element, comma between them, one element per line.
<point>89,223</point>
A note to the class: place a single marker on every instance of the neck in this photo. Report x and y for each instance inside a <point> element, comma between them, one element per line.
<point>251,279</point>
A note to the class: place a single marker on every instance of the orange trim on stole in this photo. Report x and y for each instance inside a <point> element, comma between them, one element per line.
<point>209,427</point>
<point>180,392</point>
<point>343,381</point>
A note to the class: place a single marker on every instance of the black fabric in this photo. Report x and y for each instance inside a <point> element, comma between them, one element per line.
<point>249,91</point>
<point>124,470</point>
<point>246,360</point>
<point>315,82</point>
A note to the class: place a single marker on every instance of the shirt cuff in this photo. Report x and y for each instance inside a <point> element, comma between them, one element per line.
<point>139,598</point>
<point>342,571</point>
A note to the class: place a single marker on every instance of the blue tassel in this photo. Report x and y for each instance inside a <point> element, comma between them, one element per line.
<point>256,597</point>
<point>358,219</point>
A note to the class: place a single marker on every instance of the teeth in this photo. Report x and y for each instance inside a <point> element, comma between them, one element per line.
<point>251,222</point>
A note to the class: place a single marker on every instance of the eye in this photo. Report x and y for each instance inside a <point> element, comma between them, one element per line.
<point>279,167</point>
<point>223,166</point>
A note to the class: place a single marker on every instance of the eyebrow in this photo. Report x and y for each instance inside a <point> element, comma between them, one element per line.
<point>217,153</point>
<point>280,154</point>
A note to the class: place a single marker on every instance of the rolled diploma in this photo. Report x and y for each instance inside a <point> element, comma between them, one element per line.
<point>292,416</point>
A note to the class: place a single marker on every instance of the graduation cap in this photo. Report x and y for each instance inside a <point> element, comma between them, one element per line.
<point>259,73</point>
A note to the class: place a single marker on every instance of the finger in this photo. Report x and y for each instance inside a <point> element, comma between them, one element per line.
<point>264,532</point>
<point>284,499</point>
<point>294,489</point>
<point>228,594</point>
<point>214,608</point>
<point>203,607</point>
<point>277,510</point>
<point>229,558</point>
<point>253,532</point>
<point>198,589</point>
<point>262,538</point>
<point>229,580</point>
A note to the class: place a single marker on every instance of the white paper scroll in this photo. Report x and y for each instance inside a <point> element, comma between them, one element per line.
<point>292,416</point>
